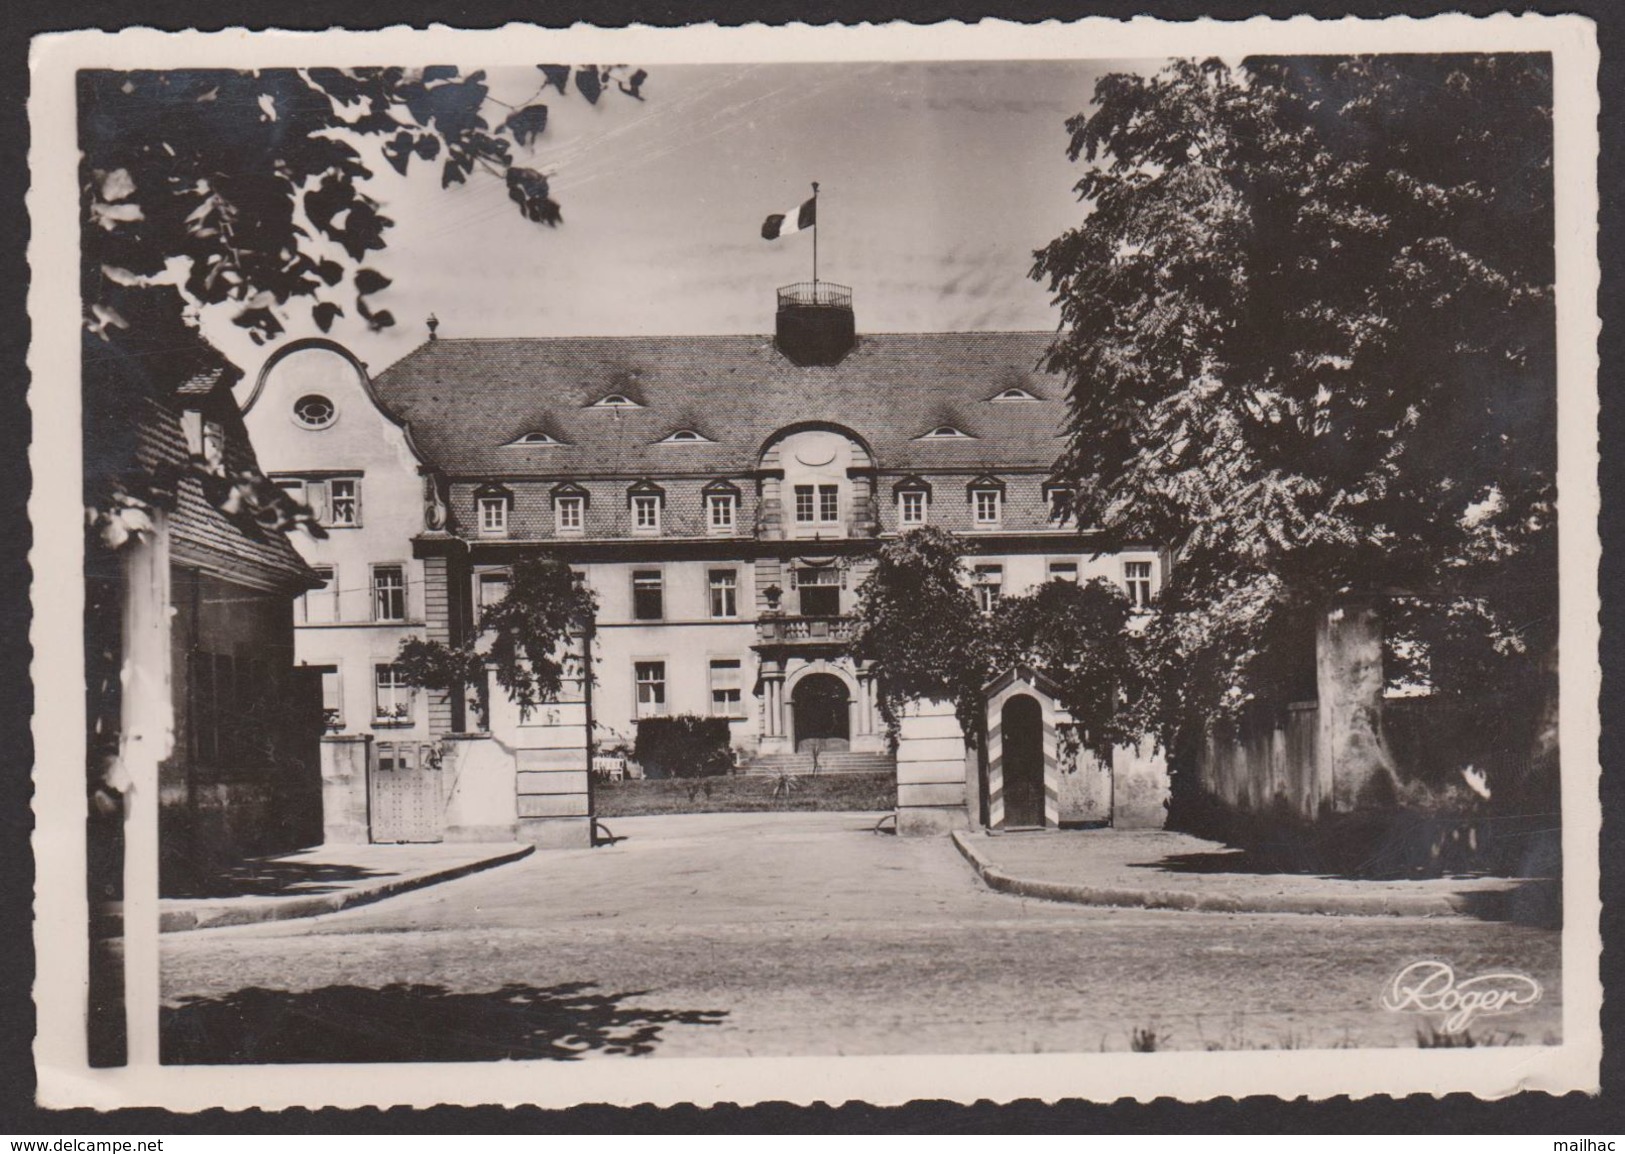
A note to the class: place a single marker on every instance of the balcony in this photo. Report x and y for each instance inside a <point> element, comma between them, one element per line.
<point>786,630</point>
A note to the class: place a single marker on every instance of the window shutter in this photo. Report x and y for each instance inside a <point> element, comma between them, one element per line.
<point>316,498</point>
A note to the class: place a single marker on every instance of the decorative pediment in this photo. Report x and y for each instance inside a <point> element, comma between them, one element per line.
<point>721,487</point>
<point>983,484</point>
<point>643,488</point>
<point>569,489</point>
<point>913,485</point>
<point>492,489</point>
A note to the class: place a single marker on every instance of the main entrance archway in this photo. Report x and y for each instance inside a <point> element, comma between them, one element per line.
<point>1022,723</point>
<point>822,719</point>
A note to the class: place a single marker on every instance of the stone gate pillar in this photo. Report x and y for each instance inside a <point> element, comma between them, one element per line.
<point>1357,770</point>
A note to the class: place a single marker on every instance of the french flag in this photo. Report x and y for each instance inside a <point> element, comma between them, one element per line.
<point>785,223</point>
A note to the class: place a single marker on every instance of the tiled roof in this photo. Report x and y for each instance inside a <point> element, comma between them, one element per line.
<point>237,544</point>
<point>467,399</point>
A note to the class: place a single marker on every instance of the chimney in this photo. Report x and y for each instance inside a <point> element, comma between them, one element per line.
<point>815,323</point>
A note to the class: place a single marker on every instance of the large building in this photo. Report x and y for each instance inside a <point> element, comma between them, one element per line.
<point>723,495</point>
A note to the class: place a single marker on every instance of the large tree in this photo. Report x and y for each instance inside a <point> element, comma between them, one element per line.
<point>527,637</point>
<point>1307,326</point>
<point>918,626</point>
<point>921,631</point>
<point>248,191</point>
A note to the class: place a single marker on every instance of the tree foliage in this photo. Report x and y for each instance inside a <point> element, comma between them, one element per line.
<point>1307,326</point>
<point>920,629</point>
<point>248,191</point>
<point>1078,636</point>
<point>918,626</point>
<point>529,638</point>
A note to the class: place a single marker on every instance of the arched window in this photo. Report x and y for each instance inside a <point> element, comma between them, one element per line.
<point>685,437</point>
<point>536,438</point>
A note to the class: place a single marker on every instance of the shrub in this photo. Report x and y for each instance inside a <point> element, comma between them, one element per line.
<point>684,746</point>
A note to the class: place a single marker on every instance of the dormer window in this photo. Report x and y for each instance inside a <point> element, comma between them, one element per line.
<point>646,502</point>
<point>913,503</point>
<point>721,508</point>
<point>616,401</point>
<point>1059,499</point>
<point>491,505</point>
<point>1012,394</point>
<point>535,438</point>
<point>945,433</point>
<point>685,437</point>
<point>569,509</point>
<point>986,495</point>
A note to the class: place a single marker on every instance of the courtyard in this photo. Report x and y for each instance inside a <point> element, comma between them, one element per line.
<point>761,934</point>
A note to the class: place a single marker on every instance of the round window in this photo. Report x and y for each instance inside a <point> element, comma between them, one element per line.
<point>314,411</point>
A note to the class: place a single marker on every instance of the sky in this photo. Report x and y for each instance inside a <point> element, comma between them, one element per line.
<point>937,182</point>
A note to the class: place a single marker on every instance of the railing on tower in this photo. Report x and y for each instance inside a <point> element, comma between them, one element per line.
<point>821,294</point>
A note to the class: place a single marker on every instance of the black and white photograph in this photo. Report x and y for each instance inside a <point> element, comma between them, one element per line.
<point>982,562</point>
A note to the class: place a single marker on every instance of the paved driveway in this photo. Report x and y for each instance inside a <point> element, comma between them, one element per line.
<point>753,934</point>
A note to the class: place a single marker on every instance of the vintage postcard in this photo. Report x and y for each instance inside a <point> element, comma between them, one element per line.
<point>969,562</point>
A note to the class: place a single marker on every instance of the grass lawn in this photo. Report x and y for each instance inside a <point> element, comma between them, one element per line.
<point>742,794</point>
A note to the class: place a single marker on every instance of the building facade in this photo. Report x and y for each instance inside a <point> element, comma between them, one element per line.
<point>724,497</point>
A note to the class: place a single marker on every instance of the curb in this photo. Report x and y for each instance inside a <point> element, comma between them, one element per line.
<point>1344,905</point>
<point>283,909</point>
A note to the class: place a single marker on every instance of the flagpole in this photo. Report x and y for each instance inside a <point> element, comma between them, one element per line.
<point>815,238</point>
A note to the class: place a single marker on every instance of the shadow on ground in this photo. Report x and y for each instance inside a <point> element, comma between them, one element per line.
<point>1529,902</point>
<point>415,1023</point>
<point>268,879</point>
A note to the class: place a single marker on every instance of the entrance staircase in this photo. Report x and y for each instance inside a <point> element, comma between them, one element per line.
<point>829,761</point>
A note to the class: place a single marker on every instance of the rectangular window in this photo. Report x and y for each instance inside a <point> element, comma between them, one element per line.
<point>911,507</point>
<point>332,701</point>
<point>829,503</point>
<point>1060,506</point>
<point>392,697</point>
<point>493,588</point>
<point>388,593</point>
<point>651,688</point>
<point>819,591</point>
<point>648,595</point>
<point>567,514</point>
<point>1137,583</point>
<point>646,513</point>
<point>720,512</point>
<point>987,507</point>
<point>493,516</point>
<point>804,504</point>
<point>989,583</point>
<point>321,606</point>
<point>1063,570</point>
<point>344,503</point>
<point>724,593</point>
<point>727,693</point>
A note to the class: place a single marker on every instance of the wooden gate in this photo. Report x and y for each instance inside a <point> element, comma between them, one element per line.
<point>405,792</point>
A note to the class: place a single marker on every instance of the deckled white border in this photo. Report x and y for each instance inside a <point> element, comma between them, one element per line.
<point>60,904</point>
